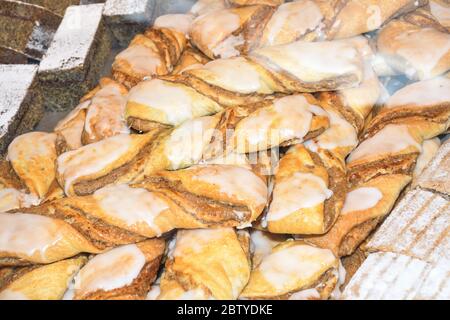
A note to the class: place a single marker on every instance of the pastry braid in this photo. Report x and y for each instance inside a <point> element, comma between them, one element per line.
<point>384,162</point>
<point>204,196</point>
<point>153,53</point>
<point>128,158</point>
<point>296,67</point>
<point>38,282</point>
<point>206,264</point>
<point>125,272</point>
<point>233,31</point>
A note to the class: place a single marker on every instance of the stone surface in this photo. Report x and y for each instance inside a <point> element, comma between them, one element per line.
<point>26,29</point>
<point>126,18</point>
<point>75,58</point>
<point>20,101</point>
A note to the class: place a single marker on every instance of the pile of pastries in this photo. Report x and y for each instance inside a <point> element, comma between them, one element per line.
<point>238,151</point>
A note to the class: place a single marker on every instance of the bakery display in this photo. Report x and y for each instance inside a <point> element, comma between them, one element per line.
<point>242,149</point>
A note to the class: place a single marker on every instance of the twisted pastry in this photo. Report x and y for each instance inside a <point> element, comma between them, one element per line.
<point>296,67</point>
<point>125,272</point>
<point>383,164</point>
<point>401,44</point>
<point>28,238</point>
<point>39,282</point>
<point>190,58</point>
<point>308,194</point>
<point>239,30</point>
<point>293,270</point>
<point>201,196</point>
<point>105,112</point>
<point>28,172</point>
<point>153,53</point>
<point>128,158</point>
<point>206,264</point>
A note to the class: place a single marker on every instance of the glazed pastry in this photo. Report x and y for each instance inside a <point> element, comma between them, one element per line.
<point>440,9</point>
<point>297,67</point>
<point>294,270</point>
<point>252,2</point>
<point>178,22</point>
<point>45,282</point>
<point>30,238</point>
<point>394,149</point>
<point>231,32</point>
<point>272,123</point>
<point>202,7</point>
<point>226,33</point>
<point>423,105</point>
<point>105,112</point>
<point>354,104</point>
<point>31,164</point>
<point>121,158</point>
<point>70,128</point>
<point>308,193</point>
<point>190,59</point>
<point>429,149</point>
<point>401,42</point>
<point>122,273</point>
<point>206,264</point>
<point>157,103</point>
<point>204,196</point>
<point>361,16</point>
<point>153,53</point>
<point>262,243</point>
<point>364,207</point>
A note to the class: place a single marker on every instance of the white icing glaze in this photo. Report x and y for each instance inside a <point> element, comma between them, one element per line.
<point>177,103</point>
<point>361,199</point>
<point>133,206</point>
<point>234,74</point>
<point>141,59</point>
<point>8,294</point>
<point>288,118</point>
<point>307,294</point>
<point>202,7</point>
<point>340,134</point>
<point>295,18</point>
<point>365,95</point>
<point>71,127</point>
<point>391,139</point>
<point>301,190</point>
<point>32,146</point>
<point>421,94</point>
<point>429,149</point>
<point>215,27</point>
<point>313,61</point>
<point>91,158</point>
<point>441,12</point>
<point>12,199</point>
<point>194,241</point>
<point>297,263</point>
<point>105,115</point>
<point>185,145</point>
<point>411,44</point>
<point>153,293</point>
<point>234,181</point>
<point>261,244</point>
<point>110,270</point>
<point>28,234</point>
<point>178,22</point>
<point>227,48</point>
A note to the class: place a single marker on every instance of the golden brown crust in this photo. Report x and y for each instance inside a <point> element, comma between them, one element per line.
<point>137,290</point>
